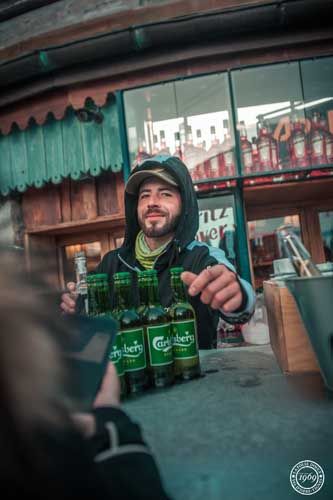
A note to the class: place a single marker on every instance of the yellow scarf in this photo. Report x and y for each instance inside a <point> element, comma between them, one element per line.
<point>144,254</point>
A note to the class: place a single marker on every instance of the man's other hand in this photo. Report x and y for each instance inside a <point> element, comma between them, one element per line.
<point>218,287</point>
<point>68,299</point>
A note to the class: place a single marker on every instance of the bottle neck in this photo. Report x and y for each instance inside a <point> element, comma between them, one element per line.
<point>142,293</point>
<point>125,296</point>
<point>152,292</point>
<point>178,289</point>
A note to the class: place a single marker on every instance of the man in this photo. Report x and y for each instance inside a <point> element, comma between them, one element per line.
<point>162,220</point>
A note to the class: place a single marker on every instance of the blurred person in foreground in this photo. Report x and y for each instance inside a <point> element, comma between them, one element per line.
<point>162,220</point>
<point>47,450</point>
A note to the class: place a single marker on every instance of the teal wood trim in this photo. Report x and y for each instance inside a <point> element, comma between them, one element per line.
<point>60,149</point>
<point>123,134</point>
<point>241,232</point>
<point>234,117</point>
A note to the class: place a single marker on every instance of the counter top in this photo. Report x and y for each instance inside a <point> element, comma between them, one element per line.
<point>235,433</point>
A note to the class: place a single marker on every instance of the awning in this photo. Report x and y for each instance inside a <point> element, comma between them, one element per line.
<point>59,149</point>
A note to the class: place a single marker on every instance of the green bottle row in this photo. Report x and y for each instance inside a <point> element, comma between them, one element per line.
<point>154,346</point>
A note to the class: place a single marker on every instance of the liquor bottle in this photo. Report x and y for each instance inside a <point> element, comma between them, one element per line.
<point>264,144</point>
<point>178,150</point>
<point>255,155</point>
<point>164,150</point>
<point>116,353</point>
<point>141,154</point>
<point>184,330</point>
<point>155,145</point>
<point>246,150</point>
<point>328,139</point>
<point>317,141</point>
<point>134,352</point>
<point>158,335</point>
<point>228,152</point>
<point>298,146</point>
<point>81,278</point>
<point>294,249</point>
<point>214,164</point>
<point>200,156</point>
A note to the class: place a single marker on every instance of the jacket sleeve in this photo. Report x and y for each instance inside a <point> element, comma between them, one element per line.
<point>214,256</point>
<point>123,458</point>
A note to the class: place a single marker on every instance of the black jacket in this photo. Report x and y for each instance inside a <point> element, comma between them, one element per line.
<point>183,251</point>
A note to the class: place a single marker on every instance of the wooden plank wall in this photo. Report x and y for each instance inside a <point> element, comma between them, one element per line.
<point>90,199</point>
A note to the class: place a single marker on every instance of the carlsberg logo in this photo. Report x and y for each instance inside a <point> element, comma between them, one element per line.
<point>133,351</point>
<point>183,340</point>
<point>115,354</point>
<point>162,344</point>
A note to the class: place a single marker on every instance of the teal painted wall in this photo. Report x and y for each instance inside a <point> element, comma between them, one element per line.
<point>59,149</point>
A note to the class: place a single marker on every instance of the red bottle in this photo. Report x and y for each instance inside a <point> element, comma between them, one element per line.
<point>317,141</point>
<point>200,156</point>
<point>298,145</point>
<point>190,154</point>
<point>246,150</point>
<point>141,154</point>
<point>264,144</point>
<point>178,150</point>
<point>328,140</point>
<point>164,150</point>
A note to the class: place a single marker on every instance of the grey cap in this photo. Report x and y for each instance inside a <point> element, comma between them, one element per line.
<point>137,178</point>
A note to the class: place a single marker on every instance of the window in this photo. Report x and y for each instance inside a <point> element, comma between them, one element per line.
<point>190,119</point>
<point>217,225</point>
<point>265,246</point>
<point>264,98</point>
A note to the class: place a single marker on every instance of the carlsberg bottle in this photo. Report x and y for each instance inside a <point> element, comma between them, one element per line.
<point>158,335</point>
<point>184,330</point>
<point>116,353</point>
<point>134,353</point>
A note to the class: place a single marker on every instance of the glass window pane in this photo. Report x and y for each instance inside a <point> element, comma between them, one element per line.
<point>265,98</point>
<point>190,119</point>
<point>265,246</point>
<point>326,228</point>
<point>317,76</point>
<point>151,120</point>
<point>93,253</point>
<point>206,132</point>
<point>217,225</point>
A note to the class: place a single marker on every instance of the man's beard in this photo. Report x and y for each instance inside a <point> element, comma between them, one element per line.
<point>156,231</point>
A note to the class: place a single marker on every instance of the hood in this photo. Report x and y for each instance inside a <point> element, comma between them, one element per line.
<point>189,219</point>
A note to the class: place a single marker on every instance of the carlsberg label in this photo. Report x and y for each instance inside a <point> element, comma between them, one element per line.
<point>134,355</point>
<point>116,355</point>
<point>160,345</point>
<point>184,339</point>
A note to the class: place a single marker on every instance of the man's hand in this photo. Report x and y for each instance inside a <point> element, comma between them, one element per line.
<point>218,287</point>
<point>68,299</point>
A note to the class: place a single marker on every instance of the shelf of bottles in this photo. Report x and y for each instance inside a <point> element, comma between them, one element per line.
<point>268,124</point>
<point>297,142</point>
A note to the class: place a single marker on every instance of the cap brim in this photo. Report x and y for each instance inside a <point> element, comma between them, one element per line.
<point>136,180</point>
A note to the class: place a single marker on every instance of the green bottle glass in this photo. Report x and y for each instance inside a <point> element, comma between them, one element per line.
<point>92,295</point>
<point>134,352</point>
<point>158,335</point>
<point>143,296</point>
<point>102,293</point>
<point>184,330</point>
<point>116,353</point>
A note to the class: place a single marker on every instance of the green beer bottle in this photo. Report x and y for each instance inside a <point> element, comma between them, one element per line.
<point>143,296</point>
<point>102,294</point>
<point>134,352</point>
<point>92,295</point>
<point>158,335</point>
<point>184,330</point>
<point>116,353</point>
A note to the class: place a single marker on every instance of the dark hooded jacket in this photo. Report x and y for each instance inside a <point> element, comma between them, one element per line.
<point>183,251</point>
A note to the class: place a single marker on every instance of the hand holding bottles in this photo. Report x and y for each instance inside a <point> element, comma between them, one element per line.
<point>218,287</point>
<point>68,299</point>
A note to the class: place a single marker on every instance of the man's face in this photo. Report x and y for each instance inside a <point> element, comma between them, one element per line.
<point>159,208</point>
